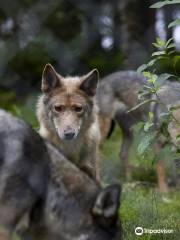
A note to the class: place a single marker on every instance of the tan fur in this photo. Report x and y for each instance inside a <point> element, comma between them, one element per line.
<point>83,150</point>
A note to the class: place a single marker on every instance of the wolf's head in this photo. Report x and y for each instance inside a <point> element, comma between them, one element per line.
<point>69,100</point>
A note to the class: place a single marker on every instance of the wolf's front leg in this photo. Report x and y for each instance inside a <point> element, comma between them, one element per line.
<point>90,162</point>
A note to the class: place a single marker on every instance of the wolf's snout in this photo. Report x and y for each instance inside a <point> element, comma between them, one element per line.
<point>69,134</point>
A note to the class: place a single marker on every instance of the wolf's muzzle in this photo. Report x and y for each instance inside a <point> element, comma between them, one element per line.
<point>69,135</point>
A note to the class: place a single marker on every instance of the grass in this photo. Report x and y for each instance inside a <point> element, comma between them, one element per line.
<point>147,208</point>
<point>141,205</point>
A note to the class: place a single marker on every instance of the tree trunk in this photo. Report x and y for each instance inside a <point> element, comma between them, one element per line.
<point>137,31</point>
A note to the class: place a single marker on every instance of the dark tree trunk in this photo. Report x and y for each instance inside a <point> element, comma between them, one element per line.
<point>137,31</point>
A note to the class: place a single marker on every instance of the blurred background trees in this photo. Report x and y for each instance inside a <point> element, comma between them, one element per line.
<point>75,36</point>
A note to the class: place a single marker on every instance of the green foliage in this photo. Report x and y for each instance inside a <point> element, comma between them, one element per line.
<point>24,110</point>
<point>156,78</point>
<point>6,98</point>
<point>164,59</point>
<point>27,113</point>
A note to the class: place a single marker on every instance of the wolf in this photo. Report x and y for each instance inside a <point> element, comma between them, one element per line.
<point>60,201</point>
<point>68,116</point>
<point>118,93</point>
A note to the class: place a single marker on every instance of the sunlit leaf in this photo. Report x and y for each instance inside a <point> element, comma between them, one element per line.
<point>151,63</point>
<point>142,68</point>
<point>168,42</point>
<point>163,3</point>
<point>174,23</point>
<point>147,126</point>
<point>147,74</point>
<point>158,53</point>
<point>151,115</point>
<point>160,42</point>
<point>172,45</point>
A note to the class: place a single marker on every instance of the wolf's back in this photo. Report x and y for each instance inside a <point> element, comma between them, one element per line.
<point>23,153</point>
<point>119,90</point>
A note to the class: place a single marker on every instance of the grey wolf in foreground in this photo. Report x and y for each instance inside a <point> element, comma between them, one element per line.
<point>61,201</point>
<point>118,93</point>
<point>67,114</point>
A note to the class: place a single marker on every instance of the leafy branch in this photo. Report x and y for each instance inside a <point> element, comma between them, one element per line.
<point>151,130</point>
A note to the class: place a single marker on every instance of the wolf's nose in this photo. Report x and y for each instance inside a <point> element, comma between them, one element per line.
<point>69,135</point>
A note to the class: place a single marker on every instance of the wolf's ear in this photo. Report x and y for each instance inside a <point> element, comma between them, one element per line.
<point>90,82</point>
<point>105,209</point>
<point>50,79</point>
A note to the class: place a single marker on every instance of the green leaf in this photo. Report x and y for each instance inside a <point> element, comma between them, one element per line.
<point>158,53</point>
<point>170,45</point>
<point>142,68</point>
<point>152,78</point>
<point>175,61</point>
<point>178,137</point>
<point>163,77</point>
<point>151,115</point>
<point>160,42</point>
<point>158,5</point>
<point>151,63</point>
<point>147,126</point>
<point>168,42</point>
<point>155,44</point>
<point>145,143</point>
<point>171,52</point>
<point>147,74</point>
<point>174,108</point>
<point>17,111</point>
<point>147,87</point>
<point>174,23</point>
<point>163,3</point>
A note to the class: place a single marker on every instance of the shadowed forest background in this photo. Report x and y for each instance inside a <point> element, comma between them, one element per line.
<point>76,36</point>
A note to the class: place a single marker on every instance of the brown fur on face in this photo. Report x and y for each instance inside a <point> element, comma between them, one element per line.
<point>68,115</point>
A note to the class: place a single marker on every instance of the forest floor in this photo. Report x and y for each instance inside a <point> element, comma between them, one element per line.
<point>141,203</point>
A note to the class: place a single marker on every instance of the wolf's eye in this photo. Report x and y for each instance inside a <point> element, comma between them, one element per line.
<point>78,109</point>
<point>59,108</point>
